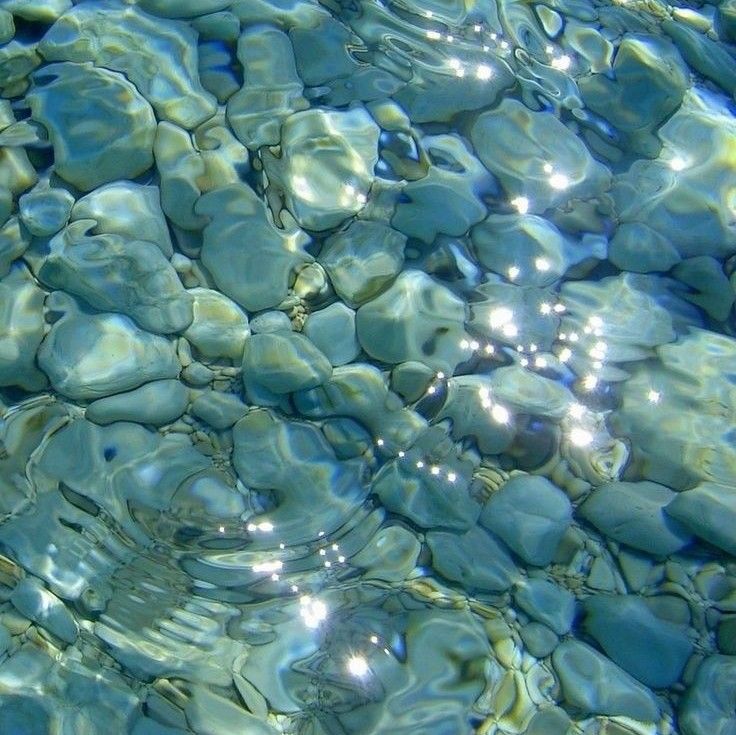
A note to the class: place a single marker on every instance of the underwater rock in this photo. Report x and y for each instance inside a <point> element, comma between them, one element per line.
<point>219,410</point>
<point>596,685</point>
<point>390,555</point>
<point>712,291</point>
<point>325,169</point>
<point>100,126</point>
<point>523,391</point>
<point>500,310</point>
<point>44,210</point>
<point>417,318</point>
<point>359,391</point>
<point>213,714</point>
<point>709,511</point>
<point>647,84</point>
<point>283,362</point>
<point>446,200</point>
<point>536,156</point>
<point>475,559</point>
<point>469,407</point>
<point>546,602</point>
<point>14,239</point>
<point>633,513</point>
<point>270,321</point>
<point>87,356</point>
<point>159,402</point>
<point>158,56</point>
<point>127,209</point>
<point>21,314</point>
<point>271,91</point>
<point>362,260</point>
<point>652,650</point>
<point>706,706</point>
<point>293,461</point>
<point>114,274</point>
<point>531,515</point>
<point>638,248</point>
<point>31,599</point>
<point>332,331</point>
<point>538,639</point>
<point>251,260</point>
<point>429,485</point>
<point>684,195</point>
<point>531,246</point>
<point>219,326</point>
<point>686,438</point>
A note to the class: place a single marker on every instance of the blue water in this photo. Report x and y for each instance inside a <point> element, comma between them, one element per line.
<point>367,368</point>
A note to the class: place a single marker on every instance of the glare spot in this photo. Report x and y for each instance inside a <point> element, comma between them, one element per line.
<point>590,382</point>
<point>489,349</point>
<point>420,464</point>
<point>678,164</point>
<point>275,577</point>
<point>358,666</point>
<point>221,529</point>
<point>464,344</point>
<point>434,35</point>
<point>483,72</point>
<point>504,44</point>
<point>654,396</point>
<point>265,526</point>
<point>521,204</point>
<point>474,345</point>
<point>374,639</point>
<point>455,63</point>
<point>542,264</point>
<point>510,330</point>
<point>540,362</point>
<point>450,39</point>
<point>460,73</point>
<point>451,476</point>
<point>565,354</point>
<point>545,308</point>
<point>313,611</point>
<point>513,272</point>
<point>500,414</point>
<point>431,390</point>
<point>576,410</point>
<point>559,181</point>
<point>402,453</point>
<point>547,168</point>
<point>268,566</point>
<point>549,49</point>
<point>379,442</point>
<point>562,62</point>
<point>341,559</point>
<point>559,308</point>
<point>595,321</point>
<point>500,316</point>
<point>476,28</point>
<point>580,437</point>
<point>524,362</point>
<point>328,564</point>
<point>440,376</point>
<point>322,552</point>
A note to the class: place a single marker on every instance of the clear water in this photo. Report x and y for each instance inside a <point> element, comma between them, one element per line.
<point>367,367</point>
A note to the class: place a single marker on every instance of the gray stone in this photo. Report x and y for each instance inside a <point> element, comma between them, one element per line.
<point>363,260</point>
<point>597,686</point>
<point>707,707</point>
<point>475,559</point>
<point>632,513</point>
<point>546,602</point>
<point>34,601</point>
<point>284,362</point>
<point>709,511</point>
<point>539,640</point>
<point>156,403</point>
<point>652,650</point>
<point>531,515</point>
<point>219,410</point>
<point>332,331</point>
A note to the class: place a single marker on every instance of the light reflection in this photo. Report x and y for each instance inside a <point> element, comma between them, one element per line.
<point>581,437</point>
<point>678,164</point>
<point>313,611</point>
<point>358,666</point>
<point>521,204</point>
<point>562,62</point>
<point>654,396</point>
<point>483,72</point>
<point>559,181</point>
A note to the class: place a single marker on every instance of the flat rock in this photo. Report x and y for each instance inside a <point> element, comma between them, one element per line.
<point>706,708</point>
<point>531,515</point>
<point>652,650</point>
<point>332,331</point>
<point>547,603</point>
<point>709,511</point>
<point>595,685</point>
<point>632,513</point>
<point>159,402</point>
<point>219,326</point>
<point>474,559</point>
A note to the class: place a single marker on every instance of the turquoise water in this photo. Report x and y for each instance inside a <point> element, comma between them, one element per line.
<point>366,368</point>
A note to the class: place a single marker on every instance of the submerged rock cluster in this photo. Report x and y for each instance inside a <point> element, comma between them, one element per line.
<point>367,368</point>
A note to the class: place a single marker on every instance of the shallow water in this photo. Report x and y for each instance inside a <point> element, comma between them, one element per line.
<point>367,367</point>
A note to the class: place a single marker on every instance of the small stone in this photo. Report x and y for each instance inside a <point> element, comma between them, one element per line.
<point>539,640</point>
<point>219,410</point>
<point>332,330</point>
<point>547,602</point>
